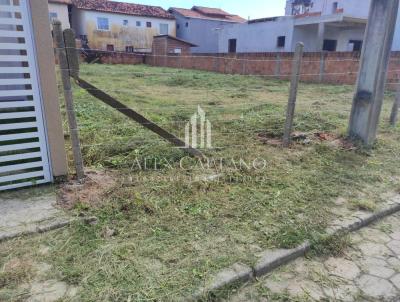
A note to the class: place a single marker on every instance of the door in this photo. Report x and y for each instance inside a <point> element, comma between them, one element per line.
<point>24,159</point>
<point>232,45</point>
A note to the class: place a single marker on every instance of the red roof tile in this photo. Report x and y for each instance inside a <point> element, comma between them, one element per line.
<point>207,13</point>
<point>123,8</point>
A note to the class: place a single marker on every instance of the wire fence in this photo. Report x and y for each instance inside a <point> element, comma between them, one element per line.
<point>240,122</point>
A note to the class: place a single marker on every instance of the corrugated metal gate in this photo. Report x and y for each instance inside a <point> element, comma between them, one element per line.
<point>24,159</point>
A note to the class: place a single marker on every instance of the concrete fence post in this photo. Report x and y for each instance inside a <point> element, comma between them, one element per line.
<point>296,67</point>
<point>69,102</point>
<point>368,98</point>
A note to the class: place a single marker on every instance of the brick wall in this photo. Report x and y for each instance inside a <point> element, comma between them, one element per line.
<point>332,67</point>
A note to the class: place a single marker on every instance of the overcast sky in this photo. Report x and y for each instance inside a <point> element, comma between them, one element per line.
<point>251,8</point>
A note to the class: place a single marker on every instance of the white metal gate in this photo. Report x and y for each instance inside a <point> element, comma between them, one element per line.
<point>24,159</point>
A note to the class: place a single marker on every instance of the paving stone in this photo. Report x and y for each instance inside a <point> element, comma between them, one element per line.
<point>394,245</point>
<point>342,268</point>
<point>394,263</point>
<point>344,293</point>
<point>375,235</point>
<point>357,238</point>
<point>396,281</point>
<point>376,267</point>
<point>278,284</point>
<point>376,288</point>
<point>305,287</point>
<point>374,250</point>
<point>395,235</point>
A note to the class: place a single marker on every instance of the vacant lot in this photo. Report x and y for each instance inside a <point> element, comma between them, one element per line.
<point>162,232</point>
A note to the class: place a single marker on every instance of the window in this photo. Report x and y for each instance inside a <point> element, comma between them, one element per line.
<point>138,23</point>
<point>148,24</point>
<point>110,47</point>
<point>102,24</point>
<point>129,49</point>
<point>281,41</point>
<point>355,45</point>
<point>53,16</point>
<point>232,45</point>
<point>187,24</point>
<point>125,23</point>
<point>329,45</point>
<point>178,26</point>
<point>178,50</point>
<point>164,29</point>
<point>334,7</point>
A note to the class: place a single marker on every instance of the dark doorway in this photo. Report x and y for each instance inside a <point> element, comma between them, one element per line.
<point>232,45</point>
<point>330,45</point>
<point>357,44</point>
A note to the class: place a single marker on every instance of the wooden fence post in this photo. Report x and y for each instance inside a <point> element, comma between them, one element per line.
<point>69,102</point>
<point>296,67</point>
<point>395,109</point>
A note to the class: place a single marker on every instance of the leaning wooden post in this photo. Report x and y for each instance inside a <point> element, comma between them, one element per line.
<point>396,107</point>
<point>296,67</point>
<point>368,98</point>
<point>69,103</point>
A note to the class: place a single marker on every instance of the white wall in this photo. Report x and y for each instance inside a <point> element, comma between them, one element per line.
<point>354,8</point>
<point>202,32</point>
<point>86,16</point>
<point>62,13</point>
<point>84,22</point>
<point>257,37</point>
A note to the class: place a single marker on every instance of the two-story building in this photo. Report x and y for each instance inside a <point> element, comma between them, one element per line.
<point>114,26</point>
<point>329,25</point>
<point>201,25</point>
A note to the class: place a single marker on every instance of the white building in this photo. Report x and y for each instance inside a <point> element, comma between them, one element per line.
<point>199,25</point>
<point>60,10</point>
<point>321,24</point>
<point>119,26</point>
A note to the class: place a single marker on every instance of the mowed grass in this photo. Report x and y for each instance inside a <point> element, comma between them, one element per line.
<point>170,234</point>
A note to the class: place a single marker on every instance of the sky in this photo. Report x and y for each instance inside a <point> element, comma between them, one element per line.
<point>250,8</point>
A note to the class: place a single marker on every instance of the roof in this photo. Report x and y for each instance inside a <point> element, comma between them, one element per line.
<point>123,8</point>
<point>67,2</point>
<point>207,13</point>
<point>176,39</point>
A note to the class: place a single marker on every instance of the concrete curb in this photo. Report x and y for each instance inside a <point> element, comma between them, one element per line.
<point>43,229</point>
<point>273,259</point>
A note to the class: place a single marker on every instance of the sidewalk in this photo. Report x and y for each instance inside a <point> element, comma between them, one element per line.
<point>29,211</point>
<point>368,270</point>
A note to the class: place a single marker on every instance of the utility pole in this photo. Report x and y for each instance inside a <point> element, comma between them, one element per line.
<point>368,98</point>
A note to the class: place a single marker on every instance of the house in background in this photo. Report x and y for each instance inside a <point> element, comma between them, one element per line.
<point>118,26</point>
<point>201,26</point>
<point>166,45</point>
<point>321,24</point>
<point>60,10</point>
